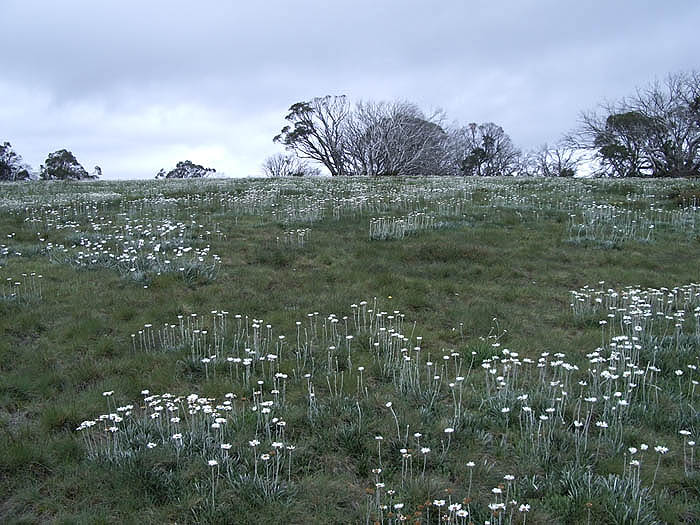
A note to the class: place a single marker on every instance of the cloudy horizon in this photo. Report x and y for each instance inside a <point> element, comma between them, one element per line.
<point>135,88</point>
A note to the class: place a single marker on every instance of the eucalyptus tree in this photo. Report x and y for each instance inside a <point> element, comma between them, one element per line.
<point>618,136</point>
<point>12,167</point>
<point>62,165</point>
<point>317,131</point>
<point>186,170</point>
<point>396,138</point>
<point>655,132</point>
<point>487,150</point>
<point>672,109</point>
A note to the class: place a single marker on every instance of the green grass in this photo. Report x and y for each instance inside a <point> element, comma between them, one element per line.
<point>498,266</point>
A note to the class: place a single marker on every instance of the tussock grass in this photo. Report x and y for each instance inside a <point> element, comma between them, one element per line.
<point>483,354</point>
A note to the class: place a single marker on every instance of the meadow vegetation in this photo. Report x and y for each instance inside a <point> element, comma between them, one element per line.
<point>310,350</point>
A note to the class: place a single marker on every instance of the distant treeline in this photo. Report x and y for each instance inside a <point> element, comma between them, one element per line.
<point>62,165</point>
<point>654,133</point>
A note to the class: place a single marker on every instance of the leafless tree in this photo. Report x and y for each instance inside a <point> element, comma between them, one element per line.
<point>395,138</point>
<point>548,161</point>
<point>317,131</point>
<point>280,165</point>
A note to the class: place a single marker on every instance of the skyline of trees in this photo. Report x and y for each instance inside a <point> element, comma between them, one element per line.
<point>653,133</point>
<point>393,139</point>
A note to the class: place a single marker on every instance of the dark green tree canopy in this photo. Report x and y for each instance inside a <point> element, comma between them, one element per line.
<point>12,167</point>
<point>654,133</point>
<point>621,143</point>
<point>62,165</point>
<point>185,170</point>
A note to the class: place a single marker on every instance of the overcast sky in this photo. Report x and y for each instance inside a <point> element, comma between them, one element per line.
<point>137,86</point>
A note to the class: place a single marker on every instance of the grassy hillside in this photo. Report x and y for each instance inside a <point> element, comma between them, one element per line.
<point>358,351</point>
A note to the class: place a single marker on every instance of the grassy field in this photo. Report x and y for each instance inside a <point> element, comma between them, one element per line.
<point>358,351</point>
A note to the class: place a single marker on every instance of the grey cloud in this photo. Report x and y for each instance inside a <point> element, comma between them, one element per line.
<point>134,83</point>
